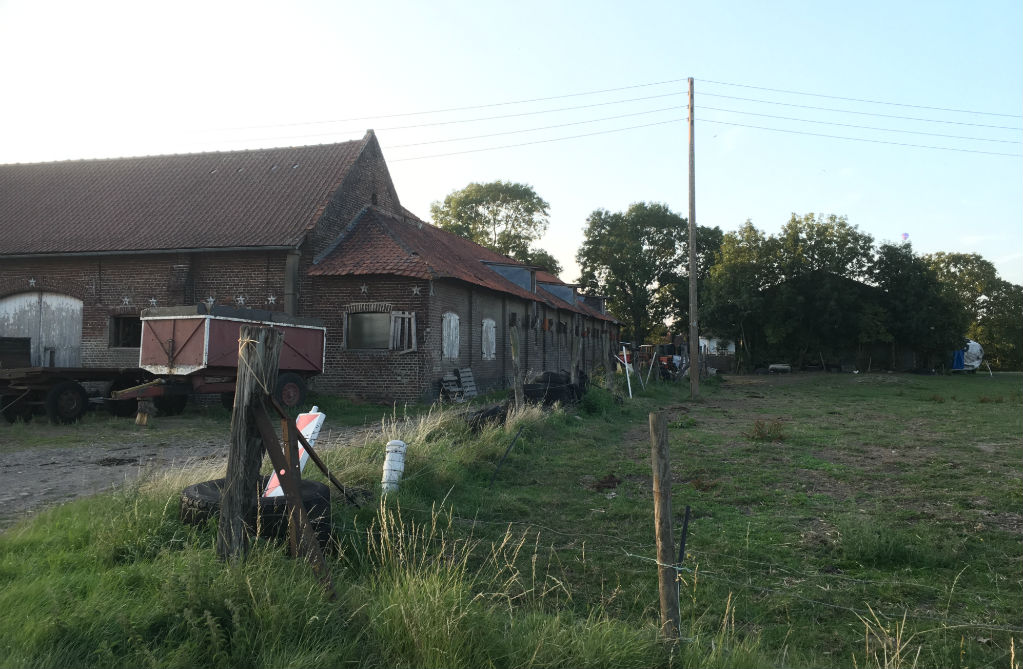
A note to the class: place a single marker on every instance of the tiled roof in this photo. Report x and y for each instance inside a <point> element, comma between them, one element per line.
<point>378,242</point>
<point>257,198</point>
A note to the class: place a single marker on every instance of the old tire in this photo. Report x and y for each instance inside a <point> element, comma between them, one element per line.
<point>290,390</point>
<point>201,502</point>
<point>66,402</point>
<point>227,401</point>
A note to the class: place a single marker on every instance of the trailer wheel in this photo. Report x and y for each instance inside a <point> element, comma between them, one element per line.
<point>19,409</point>
<point>227,401</point>
<point>171,405</point>
<point>66,402</point>
<point>201,502</point>
<point>290,390</point>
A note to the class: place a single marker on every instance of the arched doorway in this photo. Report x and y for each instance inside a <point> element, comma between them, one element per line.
<point>52,321</point>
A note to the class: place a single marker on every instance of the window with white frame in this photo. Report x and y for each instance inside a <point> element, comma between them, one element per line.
<point>449,337</point>
<point>488,346</point>
<point>381,330</point>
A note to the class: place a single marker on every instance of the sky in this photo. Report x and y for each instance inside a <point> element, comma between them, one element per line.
<point>584,101</point>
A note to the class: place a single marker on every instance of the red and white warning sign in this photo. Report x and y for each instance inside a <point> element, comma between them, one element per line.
<point>309,425</point>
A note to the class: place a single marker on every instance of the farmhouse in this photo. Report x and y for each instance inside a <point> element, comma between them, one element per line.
<point>314,231</point>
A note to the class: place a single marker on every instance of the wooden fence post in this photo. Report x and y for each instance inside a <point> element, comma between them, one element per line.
<point>666,574</point>
<point>259,351</point>
<point>520,398</point>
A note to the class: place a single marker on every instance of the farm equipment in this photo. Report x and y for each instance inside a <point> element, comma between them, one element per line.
<point>183,351</point>
<point>194,350</point>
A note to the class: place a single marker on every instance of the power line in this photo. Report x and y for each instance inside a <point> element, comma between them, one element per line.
<point>873,102</point>
<point>539,141</point>
<point>863,139</point>
<point>451,109</point>
<point>864,127</point>
<point>457,121</point>
<point>546,127</point>
<point>861,113</point>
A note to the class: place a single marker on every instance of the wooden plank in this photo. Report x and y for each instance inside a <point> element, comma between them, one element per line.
<point>468,382</point>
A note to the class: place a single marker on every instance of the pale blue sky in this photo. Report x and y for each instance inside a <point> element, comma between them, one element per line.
<point>106,78</point>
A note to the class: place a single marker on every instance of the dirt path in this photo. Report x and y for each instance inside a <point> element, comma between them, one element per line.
<point>38,477</point>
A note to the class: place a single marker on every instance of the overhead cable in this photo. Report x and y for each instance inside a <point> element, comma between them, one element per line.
<point>457,121</point>
<point>864,127</point>
<point>860,139</point>
<point>451,109</point>
<point>861,113</point>
<point>539,141</point>
<point>873,102</point>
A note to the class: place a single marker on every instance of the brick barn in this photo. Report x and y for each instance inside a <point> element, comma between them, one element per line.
<point>313,231</point>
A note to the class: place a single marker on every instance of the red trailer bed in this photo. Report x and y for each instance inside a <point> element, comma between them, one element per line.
<point>181,341</point>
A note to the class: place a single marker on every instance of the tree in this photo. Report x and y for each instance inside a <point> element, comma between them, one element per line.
<point>812,243</point>
<point>922,314</point>
<point>999,328</point>
<point>733,302</point>
<point>628,256</point>
<point>503,216</point>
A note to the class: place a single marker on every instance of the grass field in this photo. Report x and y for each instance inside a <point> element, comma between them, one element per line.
<point>837,520</point>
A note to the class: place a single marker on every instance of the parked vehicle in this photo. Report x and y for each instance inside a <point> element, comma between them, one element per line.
<point>183,351</point>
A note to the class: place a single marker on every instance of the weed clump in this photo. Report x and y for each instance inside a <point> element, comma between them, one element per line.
<point>766,430</point>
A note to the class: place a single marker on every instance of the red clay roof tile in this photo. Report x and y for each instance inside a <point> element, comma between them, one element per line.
<point>256,198</point>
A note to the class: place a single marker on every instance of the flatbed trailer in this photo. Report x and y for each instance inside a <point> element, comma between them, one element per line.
<point>183,351</point>
<point>55,391</point>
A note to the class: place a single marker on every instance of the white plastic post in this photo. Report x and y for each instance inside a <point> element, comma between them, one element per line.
<point>394,466</point>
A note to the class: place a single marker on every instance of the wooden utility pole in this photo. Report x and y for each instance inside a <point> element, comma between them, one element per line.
<point>694,330</point>
<point>259,351</point>
<point>666,575</point>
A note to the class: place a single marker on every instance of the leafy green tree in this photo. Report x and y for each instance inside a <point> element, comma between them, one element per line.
<point>673,296</point>
<point>503,216</point>
<point>812,243</point>
<point>628,256</point>
<point>999,328</point>
<point>923,316</point>
<point>733,304</point>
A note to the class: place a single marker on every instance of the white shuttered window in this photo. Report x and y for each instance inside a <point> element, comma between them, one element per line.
<point>489,344</point>
<point>450,340</point>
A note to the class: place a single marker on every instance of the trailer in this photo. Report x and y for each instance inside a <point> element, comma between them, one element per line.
<point>191,350</point>
<point>56,391</point>
<point>183,351</point>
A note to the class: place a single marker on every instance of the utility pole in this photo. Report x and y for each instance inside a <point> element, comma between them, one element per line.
<point>694,331</point>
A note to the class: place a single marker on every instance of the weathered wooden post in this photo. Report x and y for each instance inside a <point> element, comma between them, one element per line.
<point>666,575</point>
<point>259,351</point>
<point>609,364</point>
<point>516,366</point>
<point>575,334</point>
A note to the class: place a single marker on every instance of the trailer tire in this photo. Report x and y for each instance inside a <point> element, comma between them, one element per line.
<point>171,405</point>
<point>66,402</point>
<point>290,390</point>
<point>201,501</point>
<point>227,401</point>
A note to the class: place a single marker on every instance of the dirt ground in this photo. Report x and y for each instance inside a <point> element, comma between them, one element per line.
<point>37,477</point>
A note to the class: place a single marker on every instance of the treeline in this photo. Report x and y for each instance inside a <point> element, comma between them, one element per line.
<point>818,292</point>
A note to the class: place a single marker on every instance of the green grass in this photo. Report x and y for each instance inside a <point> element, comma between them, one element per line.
<point>884,529</point>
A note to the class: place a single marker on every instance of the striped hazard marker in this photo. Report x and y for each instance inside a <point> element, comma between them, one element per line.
<point>309,425</point>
